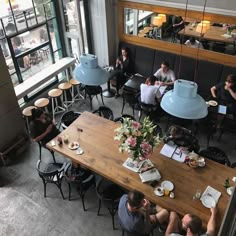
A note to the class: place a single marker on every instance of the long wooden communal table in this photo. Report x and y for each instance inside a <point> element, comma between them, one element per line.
<point>101,155</point>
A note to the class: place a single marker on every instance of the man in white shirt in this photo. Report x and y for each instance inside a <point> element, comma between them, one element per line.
<point>193,43</point>
<point>150,91</point>
<point>165,76</point>
<point>191,225</point>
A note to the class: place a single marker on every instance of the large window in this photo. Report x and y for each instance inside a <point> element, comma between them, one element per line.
<point>75,27</point>
<point>29,37</point>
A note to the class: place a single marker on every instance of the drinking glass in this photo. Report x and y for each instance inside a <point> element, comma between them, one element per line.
<point>197,194</point>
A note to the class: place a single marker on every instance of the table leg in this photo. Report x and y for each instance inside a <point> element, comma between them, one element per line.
<point>108,93</point>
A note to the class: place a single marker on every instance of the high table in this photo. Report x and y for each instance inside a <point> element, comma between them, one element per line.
<point>101,155</point>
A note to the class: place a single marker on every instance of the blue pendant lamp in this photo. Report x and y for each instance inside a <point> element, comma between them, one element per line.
<point>88,72</point>
<point>184,102</point>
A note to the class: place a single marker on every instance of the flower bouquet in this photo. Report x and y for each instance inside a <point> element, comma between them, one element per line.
<point>138,139</point>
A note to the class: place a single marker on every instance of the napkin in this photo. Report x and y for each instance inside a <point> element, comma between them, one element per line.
<point>211,192</point>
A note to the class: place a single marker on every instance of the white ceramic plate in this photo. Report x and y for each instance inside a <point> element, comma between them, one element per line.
<point>80,151</point>
<point>208,201</point>
<point>73,145</point>
<point>230,190</point>
<point>212,103</point>
<point>159,193</point>
<point>167,185</point>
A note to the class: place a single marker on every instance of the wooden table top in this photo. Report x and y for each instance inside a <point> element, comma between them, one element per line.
<point>101,155</point>
<point>189,31</point>
<point>214,33</point>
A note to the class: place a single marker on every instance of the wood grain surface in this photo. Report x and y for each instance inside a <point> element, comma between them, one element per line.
<point>101,155</point>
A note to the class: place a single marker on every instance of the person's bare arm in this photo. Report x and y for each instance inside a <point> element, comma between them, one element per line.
<point>41,136</point>
<point>213,91</point>
<point>232,93</point>
<point>211,225</point>
<point>168,83</point>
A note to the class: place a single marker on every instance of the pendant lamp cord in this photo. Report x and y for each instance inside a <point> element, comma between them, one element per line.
<point>181,45</point>
<point>196,62</point>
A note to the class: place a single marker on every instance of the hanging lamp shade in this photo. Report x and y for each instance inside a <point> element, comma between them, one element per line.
<point>157,21</point>
<point>184,102</point>
<point>201,28</point>
<point>163,17</point>
<point>88,72</point>
<point>207,23</point>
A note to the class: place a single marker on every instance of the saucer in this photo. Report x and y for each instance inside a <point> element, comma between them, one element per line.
<point>212,103</point>
<point>79,151</point>
<point>159,193</point>
<point>208,201</point>
<point>167,185</point>
<point>73,145</point>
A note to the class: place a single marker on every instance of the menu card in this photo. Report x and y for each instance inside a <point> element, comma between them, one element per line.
<point>138,166</point>
<point>212,192</point>
<point>150,175</point>
<point>174,152</point>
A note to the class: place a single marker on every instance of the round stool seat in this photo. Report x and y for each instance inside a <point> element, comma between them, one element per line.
<point>53,93</point>
<point>64,86</point>
<point>42,102</point>
<point>28,111</point>
<point>74,82</point>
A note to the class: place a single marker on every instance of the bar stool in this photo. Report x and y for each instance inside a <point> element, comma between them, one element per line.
<point>65,87</point>
<point>54,94</point>
<point>27,113</point>
<point>42,103</point>
<point>75,84</point>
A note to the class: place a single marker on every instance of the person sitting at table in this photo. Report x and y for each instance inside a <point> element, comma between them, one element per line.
<point>123,66</point>
<point>193,43</point>
<point>182,137</point>
<point>42,127</point>
<point>150,91</point>
<point>135,214</point>
<point>190,225</point>
<point>25,61</point>
<point>226,93</point>
<point>165,76</point>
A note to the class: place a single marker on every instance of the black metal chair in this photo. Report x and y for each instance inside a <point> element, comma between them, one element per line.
<point>68,118</point>
<point>120,119</point>
<point>83,178</point>
<point>182,137</point>
<point>40,151</point>
<point>148,110</point>
<point>127,233</point>
<point>92,91</point>
<point>105,112</point>
<point>130,98</point>
<point>51,173</point>
<point>109,195</point>
<point>215,154</point>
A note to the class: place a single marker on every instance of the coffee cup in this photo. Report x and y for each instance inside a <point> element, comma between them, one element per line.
<point>160,190</point>
<point>201,163</point>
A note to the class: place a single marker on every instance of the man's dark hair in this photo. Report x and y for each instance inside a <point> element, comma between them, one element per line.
<point>192,40</point>
<point>135,198</point>
<point>166,63</point>
<point>195,225</point>
<point>152,79</point>
<point>36,113</point>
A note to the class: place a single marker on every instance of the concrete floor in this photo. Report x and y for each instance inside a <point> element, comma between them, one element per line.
<point>25,211</point>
